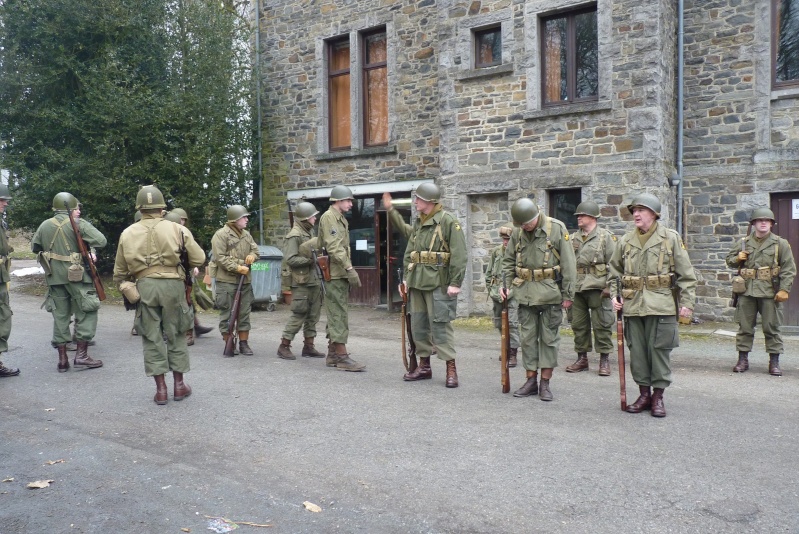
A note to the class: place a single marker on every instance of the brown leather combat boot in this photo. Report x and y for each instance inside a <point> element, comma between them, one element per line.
<point>512,357</point>
<point>161,393</point>
<point>284,350</point>
<point>308,349</point>
<point>181,389</point>
<point>644,401</point>
<point>774,365</point>
<point>580,365</point>
<point>604,365</point>
<point>63,358</point>
<point>530,387</point>
<point>244,347</point>
<point>543,390</point>
<point>743,363</point>
<point>200,329</point>
<point>658,408</point>
<point>452,374</point>
<point>343,360</point>
<point>422,371</point>
<point>82,358</point>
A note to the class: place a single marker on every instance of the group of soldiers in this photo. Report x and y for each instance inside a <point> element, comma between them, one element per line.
<point>540,269</point>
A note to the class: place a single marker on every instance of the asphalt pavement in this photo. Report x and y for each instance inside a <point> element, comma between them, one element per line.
<point>260,436</point>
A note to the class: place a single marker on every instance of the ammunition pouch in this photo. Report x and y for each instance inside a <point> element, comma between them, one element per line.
<point>430,258</point>
<point>538,275</point>
<point>655,281</point>
<point>763,273</point>
<point>600,269</point>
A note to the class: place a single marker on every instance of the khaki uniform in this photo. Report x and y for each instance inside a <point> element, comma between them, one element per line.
<point>334,236</point>
<point>539,269</point>
<point>590,311</point>
<point>5,307</point>
<point>494,283</point>
<point>229,247</point>
<point>306,301</point>
<point>56,242</point>
<point>149,254</point>
<point>435,259</point>
<point>768,257</point>
<point>648,273</point>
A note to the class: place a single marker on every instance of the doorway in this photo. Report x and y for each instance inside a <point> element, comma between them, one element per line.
<point>786,212</point>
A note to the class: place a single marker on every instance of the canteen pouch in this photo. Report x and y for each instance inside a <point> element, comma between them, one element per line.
<point>75,273</point>
<point>738,285</point>
<point>130,291</point>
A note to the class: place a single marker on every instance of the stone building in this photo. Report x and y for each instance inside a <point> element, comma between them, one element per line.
<point>560,100</point>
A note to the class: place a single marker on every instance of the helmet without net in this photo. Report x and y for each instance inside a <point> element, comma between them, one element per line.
<point>589,208</point>
<point>341,192</point>
<point>429,192</point>
<point>172,216</point>
<point>63,201</point>
<point>762,213</point>
<point>523,211</point>
<point>149,197</point>
<point>181,213</point>
<point>646,200</point>
<point>236,212</point>
<point>305,210</point>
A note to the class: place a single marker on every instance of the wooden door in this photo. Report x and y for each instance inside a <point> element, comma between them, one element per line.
<point>786,211</point>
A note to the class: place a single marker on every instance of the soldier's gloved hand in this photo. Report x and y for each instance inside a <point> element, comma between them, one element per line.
<point>250,259</point>
<point>353,279</point>
<point>242,269</point>
<point>781,296</point>
<point>743,255</point>
<point>305,248</point>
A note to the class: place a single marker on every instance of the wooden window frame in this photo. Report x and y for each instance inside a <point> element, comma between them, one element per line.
<point>476,38</point>
<point>366,67</point>
<point>331,74</point>
<point>775,37</point>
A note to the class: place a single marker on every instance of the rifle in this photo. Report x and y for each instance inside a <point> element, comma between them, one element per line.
<point>291,212</point>
<point>620,345</point>
<point>87,258</point>
<point>408,351</point>
<point>505,350</point>
<point>233,322</point>
<point>324,264</point>
<point>318,271</point>
<point>734,302</point>
<point>188,279</point>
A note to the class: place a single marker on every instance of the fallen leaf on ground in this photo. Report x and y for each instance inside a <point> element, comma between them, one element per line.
<point>51,462</point>
<point>39,484</point>
<point>8,479</point>
<point>185,530</point>
<point>311,507</point>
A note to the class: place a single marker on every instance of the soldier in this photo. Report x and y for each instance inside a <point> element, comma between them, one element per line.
<point>435,264</point>
<point>592,309</point>
<point>494,283</point>
<point>334,236</point>
<point>306,302</point>
<point>5,308</point>
<point>652,262</point>
<point>234,250</point>
<point>70,288</point>
<point>768,269</point>
<point>180,216</point>
<point>539,271</point>
<point>149,255</point>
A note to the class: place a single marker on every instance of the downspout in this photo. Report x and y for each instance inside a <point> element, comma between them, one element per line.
<point>680,119</point>
<point>257,9</point>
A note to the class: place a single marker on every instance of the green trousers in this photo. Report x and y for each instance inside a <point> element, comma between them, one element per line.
<point>650,340</point>
<point>163,312</point>
<point>589,311</point>
<point>306,307</point>
<point>513,320</point>
<point>225,294</point>
<point>5,318</point>
<point>539,327</point>
<point>74,298</point>
<point>432,313</point>
<point>770,318</point>
<point>338,322</point>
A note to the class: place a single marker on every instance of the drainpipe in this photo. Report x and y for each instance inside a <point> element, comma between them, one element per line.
<point>257,10</point>
<point>680,98</point>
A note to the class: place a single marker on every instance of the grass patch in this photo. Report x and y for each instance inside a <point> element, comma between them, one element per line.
<point>477,323</point>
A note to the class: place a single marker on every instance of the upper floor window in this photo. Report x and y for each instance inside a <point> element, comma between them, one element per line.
<point>488,47</point>
<point>375,81</point>
<point>569,56</point>
<point>785,21</point>
<point>339,93</point>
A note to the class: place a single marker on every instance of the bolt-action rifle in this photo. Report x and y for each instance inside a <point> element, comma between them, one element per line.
<point>318,270</point>
<point>409,350</point>
<point>87,257</point>
<point>505,370</point>
<point>233,322</point>
<point>620,346</point>
<point>734,302</point>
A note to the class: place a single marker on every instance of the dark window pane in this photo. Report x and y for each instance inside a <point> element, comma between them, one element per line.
<point>361,221</point>
<point>489,47</point>
<point>563,203</point>
<point>587,81</point>
<point>555,60</point>
<point>787,67</point>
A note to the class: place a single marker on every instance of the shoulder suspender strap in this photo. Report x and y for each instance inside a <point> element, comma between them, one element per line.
<point>440,236</point>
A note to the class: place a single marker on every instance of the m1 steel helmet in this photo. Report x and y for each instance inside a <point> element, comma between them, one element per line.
<point>63,201</point>
<point>589,208</point>
<point>429,192</point>
<point>645,200</point>
<point>172,216</point>
<point>762,213</point>
<point>236,212</point>
<point>341,192</point>
<point>150,197</point>
<point>305,210</point>
<point>523,211</point>
<point>5,194</point>
<point>181,213</point>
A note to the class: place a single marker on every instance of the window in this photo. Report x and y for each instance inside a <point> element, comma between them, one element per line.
<point>488,47</point>
<point>375,81</point>
<point>563,203</point>
<point>785,47</point>
<point>339,91</point>
<point>569,56</point>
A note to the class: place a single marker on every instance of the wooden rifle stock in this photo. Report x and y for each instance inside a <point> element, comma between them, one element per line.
<point>505,350</point>
<point>324,264</point>
<point>233,322</point>
<point>620,346</point>
<point>409,350</point>
<point>87,257</point>
<point>734,302</point>
<point>318,270</point>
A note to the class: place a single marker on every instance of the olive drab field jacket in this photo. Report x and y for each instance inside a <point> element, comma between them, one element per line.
<point>229,249</point>
<point>5,250</point>
<point>593,255</point>
<point>300,268</point>
<point>55,239</point>
<point>436,253</point>
<point>539,267</point>
<point>653,276</point>
<point>494,273</point>
<point>770,257</point>
<point>334,236</point>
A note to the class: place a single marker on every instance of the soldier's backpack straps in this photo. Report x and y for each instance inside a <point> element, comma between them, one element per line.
<point>440,236</point>
<point>59,230</point>
<point>550,246</point>
<point>666,249</point>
